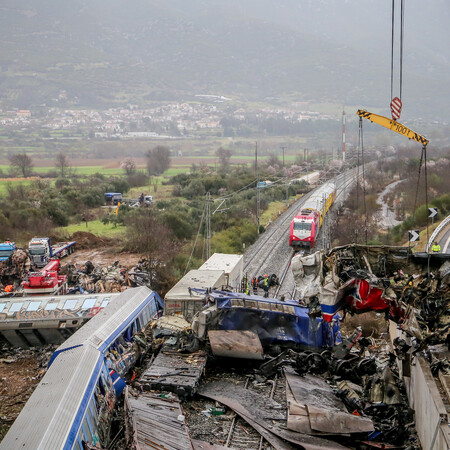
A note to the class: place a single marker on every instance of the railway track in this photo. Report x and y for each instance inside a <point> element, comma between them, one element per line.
<point>229,429</point>
<point>271,252</point>
<point>241,434</point>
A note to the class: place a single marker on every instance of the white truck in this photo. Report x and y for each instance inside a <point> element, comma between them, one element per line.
<point>41,251</point>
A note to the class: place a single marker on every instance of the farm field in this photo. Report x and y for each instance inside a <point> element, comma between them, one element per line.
<point>111,167</point>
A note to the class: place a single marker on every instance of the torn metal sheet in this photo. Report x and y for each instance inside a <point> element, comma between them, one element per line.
<point>156,423</point>
<point>383,389</point>
<point>362,278</point>
<point>235,344</point>
<point>263,411</point>
<point>175,372</point>
<point>326,413</point>
<point>307,271</point>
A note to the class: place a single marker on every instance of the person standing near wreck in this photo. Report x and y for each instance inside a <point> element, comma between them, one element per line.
<point>436,247</point>
<point>266,285</point>
<point>255,285</point>
<point>247,288</point>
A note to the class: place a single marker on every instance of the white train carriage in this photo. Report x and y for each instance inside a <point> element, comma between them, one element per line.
<point>221,270</point>
<point>34,321</point>
<point>73,403</point>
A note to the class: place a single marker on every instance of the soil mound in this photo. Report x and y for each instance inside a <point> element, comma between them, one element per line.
<point>87,240</point>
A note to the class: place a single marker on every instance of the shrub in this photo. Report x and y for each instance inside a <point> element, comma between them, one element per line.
<point>179,226</point>
<point>137,179</point>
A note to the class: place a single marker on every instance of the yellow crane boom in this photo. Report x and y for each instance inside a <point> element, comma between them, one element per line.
<point>393,125</point>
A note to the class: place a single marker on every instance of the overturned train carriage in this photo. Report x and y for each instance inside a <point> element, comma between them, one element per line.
<point>34,321</point>
<point>281,323</point>
<point>73,403</point>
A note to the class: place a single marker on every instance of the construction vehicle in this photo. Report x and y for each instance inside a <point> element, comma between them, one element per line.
<point>113,198</point>
<point>41,251</point>
<point>46,281</point>
<point>7,249</point>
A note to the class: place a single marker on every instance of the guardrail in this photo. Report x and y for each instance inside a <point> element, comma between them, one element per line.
<point>436,232</point>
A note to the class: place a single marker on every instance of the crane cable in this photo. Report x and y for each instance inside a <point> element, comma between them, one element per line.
<point>423,160</point>
<point>402,26</point>
<point>361,146</point>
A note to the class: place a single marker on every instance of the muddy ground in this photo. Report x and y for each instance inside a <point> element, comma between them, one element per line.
<point>20,372</point>
<point>99,251</point>
<point>102,256</point>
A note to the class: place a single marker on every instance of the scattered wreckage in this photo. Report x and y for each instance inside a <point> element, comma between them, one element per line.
<point>331,397</point>
<point>281,371</point>
<point>114,278</point>
<point>357,278</point>
<point>339,392</point>
<point>14,269</point>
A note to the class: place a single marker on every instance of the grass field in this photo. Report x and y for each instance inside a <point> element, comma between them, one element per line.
<point>4,184</point>
<point>110,168</point>
<point>96,227</point>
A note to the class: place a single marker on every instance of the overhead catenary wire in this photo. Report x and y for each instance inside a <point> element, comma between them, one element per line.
<point>196,239</point>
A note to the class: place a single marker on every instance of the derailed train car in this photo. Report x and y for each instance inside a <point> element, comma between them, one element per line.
<point>35,321</point>
<point>306,224</point>
<point>281,323</point>
<point>73,403</point>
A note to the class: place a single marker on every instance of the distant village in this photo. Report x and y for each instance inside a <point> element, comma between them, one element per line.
<point>164,120</point>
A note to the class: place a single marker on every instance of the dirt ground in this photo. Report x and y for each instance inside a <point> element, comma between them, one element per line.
<point>20,372</point>
<point>99,251</point>
<point>102,256</point>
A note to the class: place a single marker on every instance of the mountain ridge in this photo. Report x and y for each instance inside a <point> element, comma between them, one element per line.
<point>116,52</point>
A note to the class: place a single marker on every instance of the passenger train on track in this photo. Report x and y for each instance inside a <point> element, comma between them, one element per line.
<point>73,403</point>
<point>306,224</point>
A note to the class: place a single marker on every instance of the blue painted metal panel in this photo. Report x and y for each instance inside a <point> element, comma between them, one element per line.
<point>88,393</point>
<point>275,321</point>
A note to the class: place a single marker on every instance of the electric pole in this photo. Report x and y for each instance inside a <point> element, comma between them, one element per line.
<point>258,193</point>
<point>343,134</point>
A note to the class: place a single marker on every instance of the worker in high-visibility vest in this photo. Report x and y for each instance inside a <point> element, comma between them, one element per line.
<point>266,285</point>
<point>255,285</point>
<point>436,247</point>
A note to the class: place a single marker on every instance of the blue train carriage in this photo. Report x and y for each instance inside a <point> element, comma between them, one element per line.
<point>71,404</point>
<point>75,399</point>
<point>276,322</point>
<point>113,329</point>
